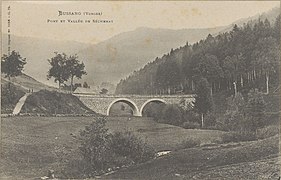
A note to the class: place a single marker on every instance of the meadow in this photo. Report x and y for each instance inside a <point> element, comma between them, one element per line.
<point>33,145</point>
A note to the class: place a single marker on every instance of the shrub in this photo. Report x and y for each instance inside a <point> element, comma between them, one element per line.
<point>102,151</point>
<point>191,116</point>
<point>154,110</point>
<point>255,112</point>
<point>126,144</point>
<point>210,120</point>
<point>267,132</point>
<point>172,114</point>
<point>191,125</point>
<point>95,147</point>
<point>232,120</point>
<point>190,143</point>
<point>238,137</point>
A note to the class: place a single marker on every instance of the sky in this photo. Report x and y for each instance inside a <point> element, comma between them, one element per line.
<point>30,18</point>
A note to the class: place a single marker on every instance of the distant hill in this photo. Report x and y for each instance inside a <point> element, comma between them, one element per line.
<point>115,58</point>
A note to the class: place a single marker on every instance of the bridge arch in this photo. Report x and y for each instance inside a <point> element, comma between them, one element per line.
<point>127,101</point>
<point>151,100</point>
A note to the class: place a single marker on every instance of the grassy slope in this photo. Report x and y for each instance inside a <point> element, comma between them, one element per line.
<point>32,145</point>
<point>200,163</point>
<point>28,82</point>
<point>52,102</point>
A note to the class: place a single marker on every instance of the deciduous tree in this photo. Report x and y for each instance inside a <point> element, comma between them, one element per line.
<point>74,69</point>
<point>58,68</point>
<point>12,65</point>
<point>203,99</point>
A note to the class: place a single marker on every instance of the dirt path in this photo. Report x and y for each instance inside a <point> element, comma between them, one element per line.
<point>19,105</point>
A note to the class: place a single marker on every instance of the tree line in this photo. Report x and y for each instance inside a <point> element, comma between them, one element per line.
<point>245,58</point>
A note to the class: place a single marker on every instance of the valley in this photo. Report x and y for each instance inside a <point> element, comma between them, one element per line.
<point>176,94</point>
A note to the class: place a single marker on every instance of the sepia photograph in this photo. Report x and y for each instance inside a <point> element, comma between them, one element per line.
<point>140,90</point>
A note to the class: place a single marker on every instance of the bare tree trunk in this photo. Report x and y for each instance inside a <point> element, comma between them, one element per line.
<point>211,89</point>
<point>202,120</point>
<point>235,89</point>
<point>71,84</point>
<point>267,82</point>
<point>181,86</point>
<point>241,81</point>
<point>9,83</point>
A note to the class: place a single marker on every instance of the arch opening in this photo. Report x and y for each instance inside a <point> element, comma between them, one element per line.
<point>122,104</point>
<point>152,107</point>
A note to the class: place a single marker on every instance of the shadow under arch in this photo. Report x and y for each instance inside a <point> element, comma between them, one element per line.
<point>149,101</point>
<point>127,101</point>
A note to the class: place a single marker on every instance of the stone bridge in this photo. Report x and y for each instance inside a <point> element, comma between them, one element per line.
<point>102,103</point>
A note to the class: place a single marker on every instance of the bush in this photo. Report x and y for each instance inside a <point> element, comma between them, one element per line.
<point>267,132</point>
<point>210,120</point>
<point>238,137</point>
<point>102,151</point>
<point>232,120</point>
<point>154,110</point>
<point>126,144</point>
<point>191,116</point>
<point>255,112</point>
<point>190,143</point>
<point>172,114</point>
<point>191,125</point>
<point>95,147</point>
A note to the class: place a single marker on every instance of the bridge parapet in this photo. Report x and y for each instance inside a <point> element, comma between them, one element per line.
<point>132,96</point>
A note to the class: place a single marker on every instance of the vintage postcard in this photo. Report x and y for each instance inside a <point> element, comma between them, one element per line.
<point>140,90</point>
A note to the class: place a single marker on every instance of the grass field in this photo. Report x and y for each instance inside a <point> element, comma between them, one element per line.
<point>32,145</point>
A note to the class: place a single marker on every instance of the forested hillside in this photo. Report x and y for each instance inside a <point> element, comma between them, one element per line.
<point>247,55</point>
